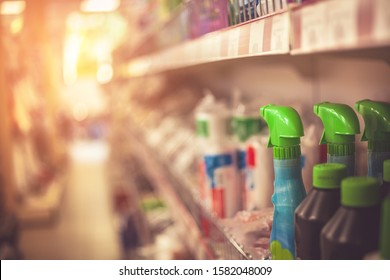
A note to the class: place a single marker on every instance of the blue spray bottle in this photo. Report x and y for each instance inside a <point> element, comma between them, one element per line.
<point>286,129</point>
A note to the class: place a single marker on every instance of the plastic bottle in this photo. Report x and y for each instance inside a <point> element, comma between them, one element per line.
<point>384,244</point>
<point>340,126</point>
<point>286,128</point>
<point>317,208</point>
<point>220,165</point>
<point>260,176</point>
<point>244,126</point>
<point>376,117</point>
<point>385,187</point>
<point>353,231</point>
<point>384,239</point>
<point>203,112</point>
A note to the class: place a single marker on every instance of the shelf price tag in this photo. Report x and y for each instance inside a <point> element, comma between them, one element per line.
<point>313,27</point>
<point>382,20</point>
<point>256,37</point>
<point>342,24</point>
<point>280,33</point>
<point>233,42</point>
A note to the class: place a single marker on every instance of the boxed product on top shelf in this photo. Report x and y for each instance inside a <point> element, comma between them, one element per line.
<point>245,10</point>
<point>193,19</point>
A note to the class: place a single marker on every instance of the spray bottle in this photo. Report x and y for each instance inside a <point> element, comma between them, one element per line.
<point>376,117</point>
<point>340,126</point>
<point>286,129</point>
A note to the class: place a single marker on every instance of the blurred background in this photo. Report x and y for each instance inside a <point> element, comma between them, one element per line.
<point>99,145</point>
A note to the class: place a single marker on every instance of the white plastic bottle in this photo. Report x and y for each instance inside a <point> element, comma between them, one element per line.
<point>219,163</point>
<point>244,126</point>
<point>202,116</point>
<point>259,172</point>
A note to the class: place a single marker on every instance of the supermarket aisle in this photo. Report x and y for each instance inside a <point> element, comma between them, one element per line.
<point>85,228</point>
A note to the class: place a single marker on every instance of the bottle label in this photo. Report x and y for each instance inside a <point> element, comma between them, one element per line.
<point>220,181</point>
<point>289,192</point>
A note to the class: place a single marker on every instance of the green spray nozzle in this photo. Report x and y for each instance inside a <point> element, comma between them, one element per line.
<point>340,122</point>
<point>376,117</point>
<point>285,125</point>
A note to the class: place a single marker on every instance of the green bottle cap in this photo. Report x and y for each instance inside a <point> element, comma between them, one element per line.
<point>386,171</point>
<point>384,243</point>
<point>286,130</point>
<point>340,122</point>
<point>245,126</point>
<point>360,191</point>
<point>328,175</point>
<point>376,117</point>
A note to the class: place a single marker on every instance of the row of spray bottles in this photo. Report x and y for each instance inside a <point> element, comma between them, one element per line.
<point>236,177</point>
<point>340,216</point>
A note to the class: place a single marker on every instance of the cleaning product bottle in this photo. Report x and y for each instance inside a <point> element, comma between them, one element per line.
<point>385,187</point>
<point>376,117</point>
<point>203,111</point>
<point>260,176</point>
<point>244,126</point>
<point>384,238</point>
<point>220,164</point>
<point>384,244</point>
<point>353,231</point>
<point>340,126</point>
<point>286,128</point>
<point>317,208</point>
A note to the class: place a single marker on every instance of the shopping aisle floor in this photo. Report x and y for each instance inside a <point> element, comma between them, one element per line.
<point>85,227</point>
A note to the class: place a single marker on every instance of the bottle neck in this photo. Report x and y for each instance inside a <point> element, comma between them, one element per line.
<point>341,149</point>
<point>284,153</point>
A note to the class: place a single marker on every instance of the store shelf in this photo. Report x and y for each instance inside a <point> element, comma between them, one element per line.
<point>348,28</point>
<point>340,25</point>
<point>264,36</point>
<point>317,27</point>
<point>180,213</point>
<point>187,209</point>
